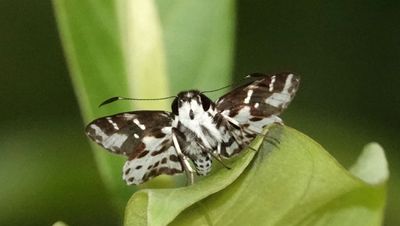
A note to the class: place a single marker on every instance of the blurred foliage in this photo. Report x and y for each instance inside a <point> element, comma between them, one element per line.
<point>125,56</point>
<point>91,39</point>
<point>347,53</point>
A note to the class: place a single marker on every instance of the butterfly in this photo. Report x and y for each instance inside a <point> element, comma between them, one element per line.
<point>196,131</point>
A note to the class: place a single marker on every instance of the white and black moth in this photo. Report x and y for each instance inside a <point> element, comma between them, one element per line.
<point>196,131</point>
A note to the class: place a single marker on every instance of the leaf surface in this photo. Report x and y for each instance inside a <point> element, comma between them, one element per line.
<point>296,183</point>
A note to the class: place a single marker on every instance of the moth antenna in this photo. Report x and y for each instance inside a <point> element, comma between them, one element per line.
<point>255,75</point>
<point>215,90</point>
<point>113,99</point>
<point>246,78</point>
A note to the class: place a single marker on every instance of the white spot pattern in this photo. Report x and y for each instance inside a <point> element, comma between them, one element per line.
<point>115,140</point>
<point>99,131</point>
<point>249,94</point>
<point>109,120</point>
<point>141,126</point>
<point>283,98</point>
<point>271,85</point>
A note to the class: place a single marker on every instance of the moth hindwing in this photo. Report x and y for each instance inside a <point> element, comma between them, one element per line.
<point>197,131</point>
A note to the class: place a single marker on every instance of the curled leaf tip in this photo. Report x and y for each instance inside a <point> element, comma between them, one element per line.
<point>371,166</point>
<point>60,223</point>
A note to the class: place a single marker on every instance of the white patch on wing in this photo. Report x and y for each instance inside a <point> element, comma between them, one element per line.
<point>129,116</point>
<point>283,98</point>
<point>152,143</point>
<point>271,85</point>
<point>288,83</point>
<point>243,115</point>
<point>257,126</point>
<point>226,112</point>
<point>232,148</point>
<point>98,131</point>
<point>278,99</point>
<point>249,94</point>
<point>166,130</point>
<point>109,120</point>
<point>141,126</point>
<point>115,140</point>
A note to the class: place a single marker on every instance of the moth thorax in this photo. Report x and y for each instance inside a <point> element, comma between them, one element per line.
<point>191,109</point>
<point>191,105</point>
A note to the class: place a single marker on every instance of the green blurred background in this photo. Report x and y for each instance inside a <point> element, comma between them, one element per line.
<point>348,54</point>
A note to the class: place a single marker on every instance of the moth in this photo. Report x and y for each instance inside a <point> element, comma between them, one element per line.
<point>196,131</point>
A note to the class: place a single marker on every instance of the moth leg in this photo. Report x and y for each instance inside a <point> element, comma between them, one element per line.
<point>270,139</point>
<point>237,140</point>
<point>237,125</point>
<point>184,160</point>
<point>218,157</point>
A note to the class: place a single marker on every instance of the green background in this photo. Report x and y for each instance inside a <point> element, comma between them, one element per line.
<point>347,53</point>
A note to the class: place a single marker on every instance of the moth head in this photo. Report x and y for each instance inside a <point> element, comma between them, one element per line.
<point>189,104</point>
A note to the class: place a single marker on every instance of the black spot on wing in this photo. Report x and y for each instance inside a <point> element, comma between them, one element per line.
<point>174,158</point>
<point>138,167</point>
<point>139,150</point>
<point>163,147</point>
<point>143,154</point>
<point>255,119</point>
<point>160,170</point>
<point>218,120</point>
<point>157,133</point>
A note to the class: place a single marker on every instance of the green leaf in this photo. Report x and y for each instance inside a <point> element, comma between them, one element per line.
<point>296,183</point>
<point>176,200</point>
<point>371,165</point>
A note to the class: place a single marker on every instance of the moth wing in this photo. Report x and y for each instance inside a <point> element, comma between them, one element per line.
<point>145,137</point>
<point>263,97</point>
<point>255,105</point>
<point>159,158</point>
